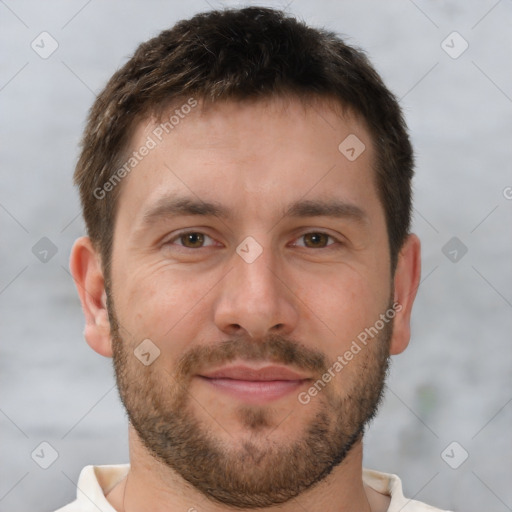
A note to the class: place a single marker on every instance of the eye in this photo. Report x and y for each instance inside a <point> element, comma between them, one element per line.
<point>190,239</point>
<point>196,240</point>
<point>316,239</point>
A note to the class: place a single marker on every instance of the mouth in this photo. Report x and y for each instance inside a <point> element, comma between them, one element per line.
<point>255,385</point>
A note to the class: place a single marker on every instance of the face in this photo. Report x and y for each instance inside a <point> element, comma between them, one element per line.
<point>254,256</point>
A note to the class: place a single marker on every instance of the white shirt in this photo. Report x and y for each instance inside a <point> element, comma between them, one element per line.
<point>97,481</point>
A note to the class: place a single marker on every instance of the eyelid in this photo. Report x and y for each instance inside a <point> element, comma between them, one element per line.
<point>178,235</point>
<point>319,232</point>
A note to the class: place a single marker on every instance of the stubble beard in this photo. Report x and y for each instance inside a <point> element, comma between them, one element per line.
<point>256,471</point>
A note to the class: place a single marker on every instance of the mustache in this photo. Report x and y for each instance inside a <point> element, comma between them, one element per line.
<point>273,348</point>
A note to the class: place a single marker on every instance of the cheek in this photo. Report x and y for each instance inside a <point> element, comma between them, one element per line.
<point>343,305</point>
<point>162,305</point>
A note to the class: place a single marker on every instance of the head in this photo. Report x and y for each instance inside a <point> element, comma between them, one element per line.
<point>246,186</point>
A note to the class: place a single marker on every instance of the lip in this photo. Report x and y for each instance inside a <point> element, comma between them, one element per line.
<point>247,373</point>
<point>252,385</point>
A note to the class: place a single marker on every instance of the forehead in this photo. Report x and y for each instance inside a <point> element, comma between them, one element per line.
<point>250,155</point>
<point>284,118</point>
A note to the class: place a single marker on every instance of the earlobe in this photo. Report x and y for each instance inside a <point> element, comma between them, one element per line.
<point>85,265</point>
<point>406,282</point>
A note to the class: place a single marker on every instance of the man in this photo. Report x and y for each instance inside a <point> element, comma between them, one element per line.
<point>246,185</point>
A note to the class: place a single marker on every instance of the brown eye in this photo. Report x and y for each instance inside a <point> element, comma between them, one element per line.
<point>192,240</point>
<point>315,240</point>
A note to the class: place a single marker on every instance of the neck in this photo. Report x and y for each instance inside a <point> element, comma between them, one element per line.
<point>151,485</point>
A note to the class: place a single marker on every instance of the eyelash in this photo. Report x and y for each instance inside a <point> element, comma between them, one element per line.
<point>184,233</point>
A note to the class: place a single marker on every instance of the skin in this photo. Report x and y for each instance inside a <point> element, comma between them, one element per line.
<point>255,159</point>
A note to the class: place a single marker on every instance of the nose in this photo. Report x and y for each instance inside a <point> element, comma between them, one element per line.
<point>256,297</point>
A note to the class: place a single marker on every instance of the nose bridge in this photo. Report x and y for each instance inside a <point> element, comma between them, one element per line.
<point>253,264</point>
<point>253,297</point>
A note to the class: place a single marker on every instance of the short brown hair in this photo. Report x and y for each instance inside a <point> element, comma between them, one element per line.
<point>241,54</point>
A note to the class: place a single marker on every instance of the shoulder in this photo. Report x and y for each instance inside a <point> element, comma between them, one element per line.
<point>93,483</point>
<point>390,484</point>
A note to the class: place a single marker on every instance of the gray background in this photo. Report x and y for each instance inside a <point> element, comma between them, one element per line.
<point>453,383</point>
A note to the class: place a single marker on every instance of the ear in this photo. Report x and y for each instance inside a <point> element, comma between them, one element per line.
<point>406,282</point>
<point>85,265</point>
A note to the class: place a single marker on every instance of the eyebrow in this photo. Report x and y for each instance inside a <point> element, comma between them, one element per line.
<point>175,206</point>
